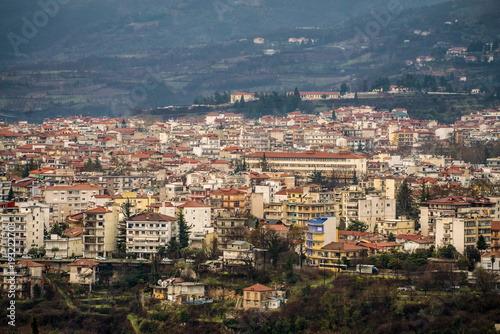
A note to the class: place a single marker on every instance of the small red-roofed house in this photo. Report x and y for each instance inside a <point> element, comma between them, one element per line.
<point>83,271</point>
<point>257,296</point>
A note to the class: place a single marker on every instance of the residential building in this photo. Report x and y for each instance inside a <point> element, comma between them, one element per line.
<point>28,274</point>
<point>257,297</point>
<point>26,222</point>
<point>179,291</point>
<point>198,216</point>
<point>462,231</point>
<point>66,247</point>
<point>495,236</point>
<point>100,229</point>
<point>238,253</point>
<point>230,199</point>
<point>65,200</point>
<point>373,209</point>
<point>147,231</point>
<point>396,226</point>
<point>320,232</point>
<point>335,253</point>
<point>491,261</point>
<point>84,272</point>
<point>229,228</point>
<point>452,206</point>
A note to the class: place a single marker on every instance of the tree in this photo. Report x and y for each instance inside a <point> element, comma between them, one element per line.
<point>263,163</point>
<point>34,324</point>
<point>404,203</point>
<point>184,230</point>
<point>391,237</point>
<point>33,252</point>
<point>54,250</point>
<point>316,177</point>
<point>382,83</point>
<point>162,251</point>
<point>357,225</point>
<point>10,195</point>
<point>97,165</point>
<point>481,243</point>
<point>343,89</point>
<point>173,248</point>
<point>463,263</point>
<point>89,166</point>
<point>275,244</point>
<point>447,252</point>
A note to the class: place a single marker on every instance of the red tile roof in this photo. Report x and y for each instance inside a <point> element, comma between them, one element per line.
<point>258,288</point>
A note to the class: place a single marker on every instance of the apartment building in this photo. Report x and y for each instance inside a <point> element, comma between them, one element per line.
<point>28,274</point>
<point>100,229</point>
<point>66,247</point>
<point>462,230</point>
<point>373,209</point>
<point>453,206</point>
<point>65,200</point>
<point>293,212</point>
<point>306,163</point>
<point>320,232</point>
<point>147,231</point>
<point>25,222</point>
<point>229,228</point>
<point>199,217</point>
<point>230,199</point>
<point>396,226</point>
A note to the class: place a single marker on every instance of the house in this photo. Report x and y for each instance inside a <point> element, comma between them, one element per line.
<point>178,291</point>
<point>83,271</point>
<point>257,296</point>
<point>28,274</point>
<point>491,261</point>
<point>238,253</point>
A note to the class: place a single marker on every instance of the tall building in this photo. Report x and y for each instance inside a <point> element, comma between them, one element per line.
<point>453,206</point>
<point>23,224</point>
<point>100,229</point>
<point>65,200</point>
<point>320,232</point>
<point>147,231</point>
<point>229,228</point>
<point>463,230</point>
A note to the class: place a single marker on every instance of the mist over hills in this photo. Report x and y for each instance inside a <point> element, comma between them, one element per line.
<point>75,29</point>
<point>91,56</point>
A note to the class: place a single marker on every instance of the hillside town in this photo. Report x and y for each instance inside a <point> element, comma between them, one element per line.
<point>338,186</point>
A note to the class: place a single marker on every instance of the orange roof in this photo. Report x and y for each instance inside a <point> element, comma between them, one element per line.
<point>99,209</point>
<point>83,262</point>
<point>30,264</point>
<point>258,288</point>
<point>311,155</point>
<point>75,186</point>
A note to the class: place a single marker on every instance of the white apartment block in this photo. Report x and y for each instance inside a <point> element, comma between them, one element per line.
<point>22,227</point>
<point>148,231</point>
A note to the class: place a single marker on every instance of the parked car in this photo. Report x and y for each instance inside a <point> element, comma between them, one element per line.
<point>167,260</point>
<point>100,258</point>
<point>26,256</point>
<point>57,258</point>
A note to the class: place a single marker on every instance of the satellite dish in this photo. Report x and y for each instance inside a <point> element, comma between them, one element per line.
<point>150,193</point>
<point>159,282</point>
